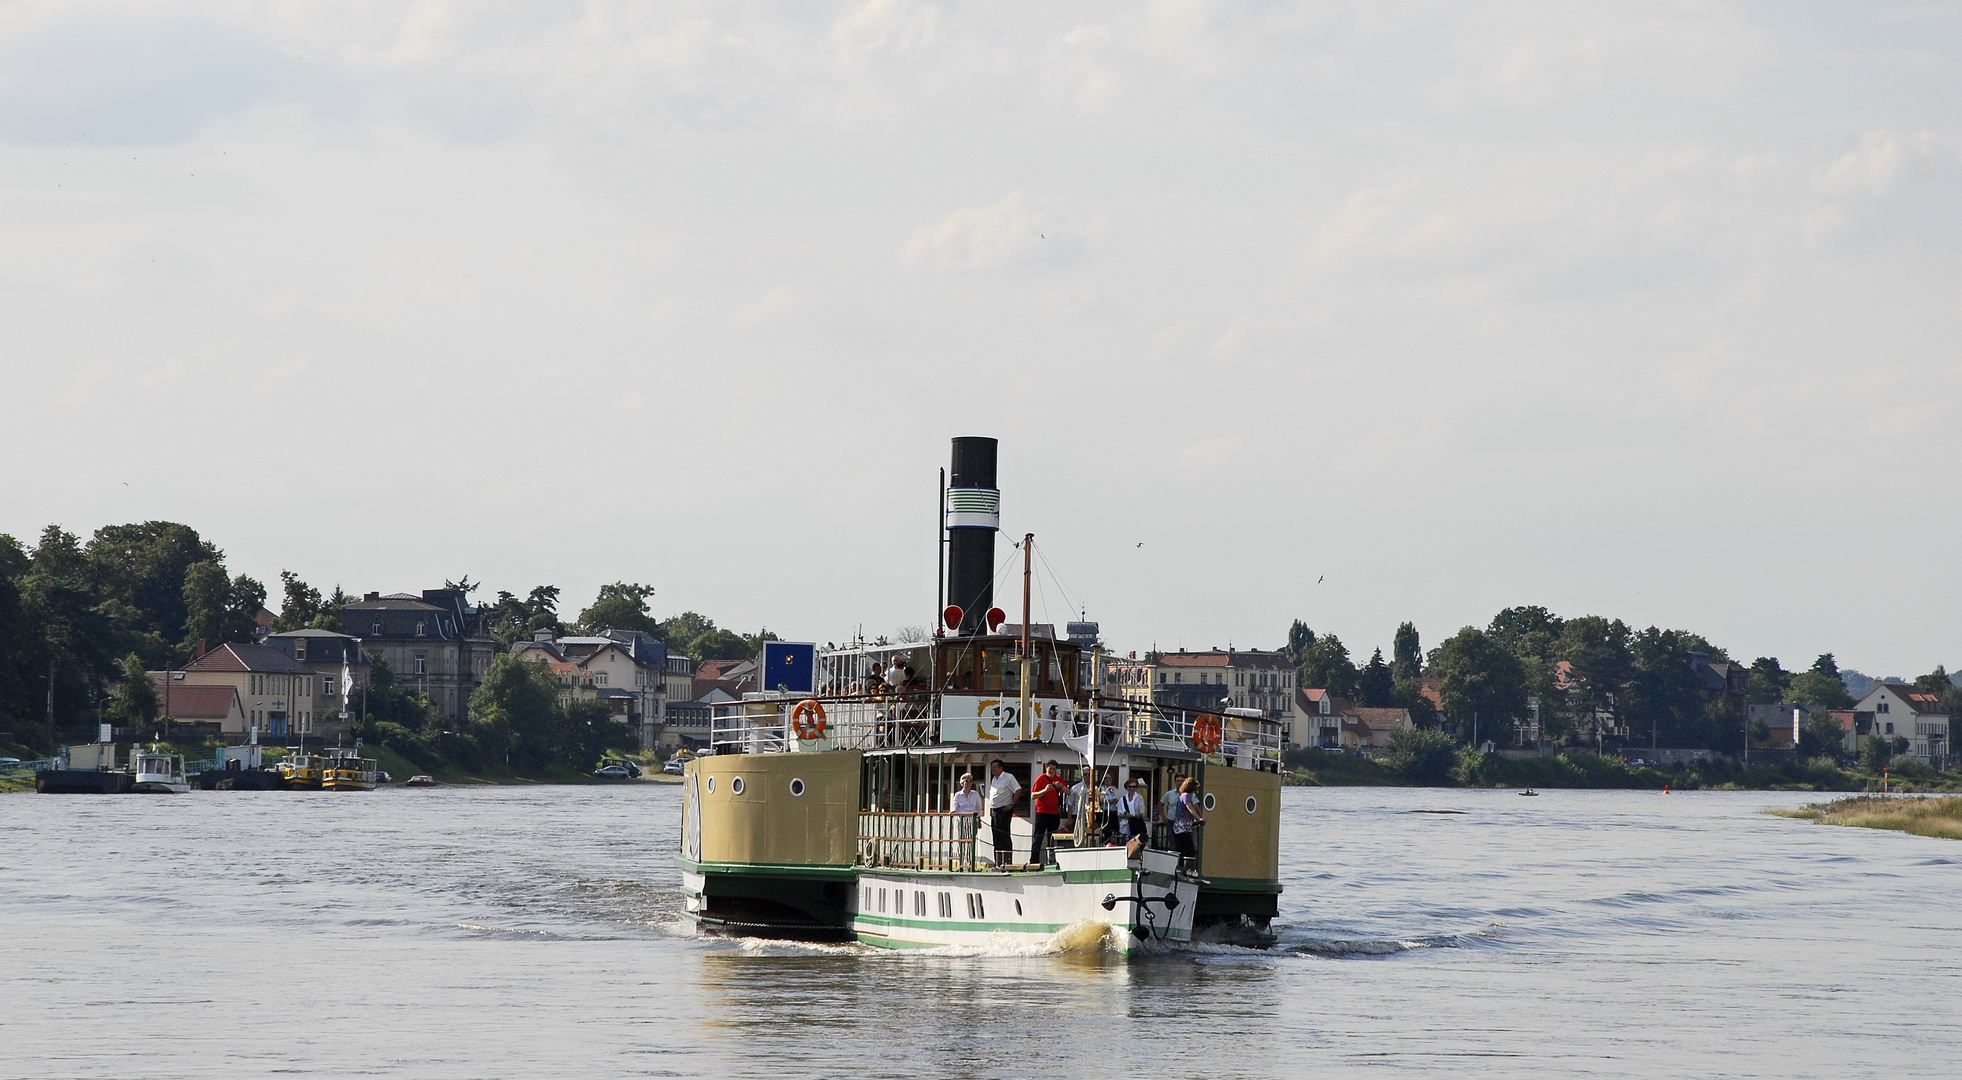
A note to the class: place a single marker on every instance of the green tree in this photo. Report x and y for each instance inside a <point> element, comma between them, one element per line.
<point>136,695</point>
<point>219,609</point>
<point>1664,698</point>
<point>587,732</point>
<point>1875,751</point>
<point>1409,694</point>
<point>1326,664</point>
<point>1817,688</point>
<point>1299,638</point>
<point>1821,736</point>
<point>1532,634</point>
<point>301,605</point>
<point>1769,681</point>
<point>1421,755</point>
<point>142,568</point>
<point>517,707</point>
<point>620,606</point>
<point>1599,664</point>
<point>1481,684</point>
<point>1407,653</point>
<point>1374,684</point>
<point>512,618</point>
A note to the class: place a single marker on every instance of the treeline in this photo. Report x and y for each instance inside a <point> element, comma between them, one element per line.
<point>516,722</point>
<point>1588,674</point>
<point>81,622</point>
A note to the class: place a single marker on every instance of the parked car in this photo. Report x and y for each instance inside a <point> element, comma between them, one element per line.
<point>615,771</point>
<point>674,766</point>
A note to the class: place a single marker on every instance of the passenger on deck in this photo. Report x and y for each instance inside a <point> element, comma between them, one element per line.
<point>1131,810</point>
<point>1187,821</point>
<point>1046,804</point>
<point>1002,791</point>
<point>969,801</point>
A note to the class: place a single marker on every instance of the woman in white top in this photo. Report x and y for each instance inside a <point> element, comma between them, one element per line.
<point>969,801</point>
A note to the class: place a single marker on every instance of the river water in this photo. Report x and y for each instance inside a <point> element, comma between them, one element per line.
<point>534,932</point>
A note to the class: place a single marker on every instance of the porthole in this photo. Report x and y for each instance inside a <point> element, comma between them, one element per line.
<point>1211,802</point>
<point>1253,804</point>
<point>711,785</point>
<point>736,788</point>
<point>797,787</point>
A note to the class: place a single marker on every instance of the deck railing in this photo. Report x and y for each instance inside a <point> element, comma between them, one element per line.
<point>916,841</point>
<point>762,725</point>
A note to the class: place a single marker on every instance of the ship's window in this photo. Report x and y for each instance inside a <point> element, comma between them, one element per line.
<point>919,904</point>
<point>882,900</point>
<point>970,905</point>
<point>1252,804</point>
<point>1018,908</point>
<point>797,787</point>
<point>1210,801</point>
<point>866,903</point>
<point>980,906</point>
<point>711,785</point>
<point>946,905</point>
<point>736,788</point>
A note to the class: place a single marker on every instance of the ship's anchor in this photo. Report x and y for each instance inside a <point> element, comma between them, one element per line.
<point>1170,901</point>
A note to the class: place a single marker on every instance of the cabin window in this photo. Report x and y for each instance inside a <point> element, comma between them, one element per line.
<point>882,901</point>
<point>946,905</point>
<point>970,906</point>
<point>1252,804</point>
<point>919,904</point>
<point>980,905</point>
<point>797,787</point>
<point>1211,802</point>
<point>865,903</point>
<point>736,787</point>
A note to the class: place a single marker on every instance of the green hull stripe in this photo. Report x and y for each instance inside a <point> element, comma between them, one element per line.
<point>1080,877</point>
<point>772,870</point>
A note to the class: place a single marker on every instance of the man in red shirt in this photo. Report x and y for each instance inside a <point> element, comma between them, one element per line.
<point>1046,811</point>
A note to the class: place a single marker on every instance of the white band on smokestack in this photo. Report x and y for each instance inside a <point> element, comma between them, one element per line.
<point>974,508</point>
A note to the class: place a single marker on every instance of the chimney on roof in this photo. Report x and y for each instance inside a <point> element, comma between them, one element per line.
<point>543,634</point>
<point>370,597</point>
<point>201,651</point>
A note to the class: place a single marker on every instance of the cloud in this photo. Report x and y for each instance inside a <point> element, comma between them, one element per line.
<point>1022,230</point>
<point>135,83</point>
<point>1883,158</point>
<point>1212,453</point>
<point>879,29</point>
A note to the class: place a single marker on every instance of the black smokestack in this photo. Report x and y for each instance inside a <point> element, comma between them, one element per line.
<point>973,516</point>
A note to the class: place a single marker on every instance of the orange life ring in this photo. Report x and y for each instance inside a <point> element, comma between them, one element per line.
<point>807,719</point>
<point>1206,733</point>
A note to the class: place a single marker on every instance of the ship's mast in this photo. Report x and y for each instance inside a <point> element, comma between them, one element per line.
<point>1028,565</point>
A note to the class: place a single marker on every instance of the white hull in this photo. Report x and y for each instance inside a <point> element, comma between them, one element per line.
<point>926,909</point>
<point>158,787</point>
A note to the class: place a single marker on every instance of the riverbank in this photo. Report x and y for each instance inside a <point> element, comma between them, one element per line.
<point>1941,817</point>
<point>1473,769</point>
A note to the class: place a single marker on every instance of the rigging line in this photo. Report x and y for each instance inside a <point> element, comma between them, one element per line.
<point>1069,595</point>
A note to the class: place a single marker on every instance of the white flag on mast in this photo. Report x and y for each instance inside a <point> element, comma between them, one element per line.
<point>347,683</point>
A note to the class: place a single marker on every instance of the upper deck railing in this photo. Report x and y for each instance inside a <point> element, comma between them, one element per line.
<point>763,724</point>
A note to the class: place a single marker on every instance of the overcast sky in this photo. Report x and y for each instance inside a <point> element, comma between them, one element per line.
<point>1352,313</point>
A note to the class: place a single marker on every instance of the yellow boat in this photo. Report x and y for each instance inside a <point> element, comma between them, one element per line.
<point>301,771</point>
<point>347,770</point>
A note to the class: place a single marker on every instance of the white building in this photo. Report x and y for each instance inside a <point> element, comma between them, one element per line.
<point>1908,711</point>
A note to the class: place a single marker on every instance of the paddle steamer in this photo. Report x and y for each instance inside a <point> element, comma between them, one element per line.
<point>824,809</point>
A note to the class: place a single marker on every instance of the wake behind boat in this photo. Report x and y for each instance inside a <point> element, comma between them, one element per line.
<point>825,811</point>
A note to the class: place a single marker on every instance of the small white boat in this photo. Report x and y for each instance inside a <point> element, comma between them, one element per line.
<point>158,773</point>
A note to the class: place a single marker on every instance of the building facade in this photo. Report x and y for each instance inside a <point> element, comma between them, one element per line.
<point>1912,713</point>
<point>435,643</point>
<point>275,691</point>
<point>324,652</point>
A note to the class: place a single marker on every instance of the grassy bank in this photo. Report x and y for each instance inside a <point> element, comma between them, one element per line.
<point>1921,816</point>
<point>1465,767</point>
